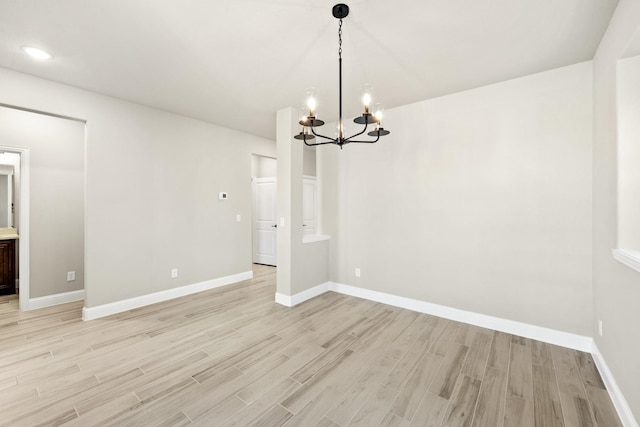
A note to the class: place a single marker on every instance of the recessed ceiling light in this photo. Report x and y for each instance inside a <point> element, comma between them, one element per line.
<point>36,53</point>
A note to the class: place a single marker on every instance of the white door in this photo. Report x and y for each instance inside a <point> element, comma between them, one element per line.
<point>264,222</point>
<point>309,205</point>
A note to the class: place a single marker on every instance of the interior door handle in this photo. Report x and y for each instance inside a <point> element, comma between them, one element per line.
<point>276,226</point>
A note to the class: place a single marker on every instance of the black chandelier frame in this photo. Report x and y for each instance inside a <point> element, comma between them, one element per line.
<point>340,11</point>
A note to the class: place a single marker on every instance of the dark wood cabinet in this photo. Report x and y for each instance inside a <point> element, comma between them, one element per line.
<point>7,267</point>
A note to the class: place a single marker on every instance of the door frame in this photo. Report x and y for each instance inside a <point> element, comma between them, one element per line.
<point>23,242</point>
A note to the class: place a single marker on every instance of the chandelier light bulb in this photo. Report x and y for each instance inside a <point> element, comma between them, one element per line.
<point>311,103</point>
<point>378,116</point>
<point>366,100</point>
<point>378,112</point>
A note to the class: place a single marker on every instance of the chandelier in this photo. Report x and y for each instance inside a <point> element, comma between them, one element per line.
<point>310,122</point>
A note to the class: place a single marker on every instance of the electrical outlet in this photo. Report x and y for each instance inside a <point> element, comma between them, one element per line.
<point>174,273</point>
<point>600,327</point>
<point>71,276</point>
<point>357,272</point>
<point>238,218</point>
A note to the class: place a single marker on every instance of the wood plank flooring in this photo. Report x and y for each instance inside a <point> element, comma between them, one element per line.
<point>232,357</point>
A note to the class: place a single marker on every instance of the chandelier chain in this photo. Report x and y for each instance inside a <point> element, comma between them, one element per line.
<point>340,40</point>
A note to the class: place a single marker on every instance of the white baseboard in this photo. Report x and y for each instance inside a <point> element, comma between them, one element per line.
<point>51,300</point>
<point>624,411</point>
<point>552,336</point>
<point>301,297</point>
<point>90,313</point>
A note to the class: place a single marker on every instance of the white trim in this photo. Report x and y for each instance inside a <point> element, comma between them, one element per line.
<point>552,336</point>
<point>310,238</point>
<point>620,403</point>
<point>300,297</point>
<point>283,299</point>
<point>628,258</point>
<point>24,198</point>
<point>90,313</point>
<point>24,264</point>
<point>55,299</point>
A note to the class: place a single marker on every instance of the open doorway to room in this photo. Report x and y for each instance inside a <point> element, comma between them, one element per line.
<point>9,187</point>
<point>48,204</point>
<point>264,211</point>
<point>264,221</point>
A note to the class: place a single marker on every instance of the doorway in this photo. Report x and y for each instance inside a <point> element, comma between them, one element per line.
<point>9,261</point>
<point>49,204</point>
<point>264,220</point>
<point>264,208</point>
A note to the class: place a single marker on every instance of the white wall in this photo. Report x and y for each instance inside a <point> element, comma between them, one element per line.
<point>152,183</point>
<point>301,266</point>
<point>266,167</point>
<point>479,200</point>
<point>629,153</point>
<point>262,147</point>
<point>263,167</point>
<point>56,151</point>
<point>308,161</point>
<point>616,286</point>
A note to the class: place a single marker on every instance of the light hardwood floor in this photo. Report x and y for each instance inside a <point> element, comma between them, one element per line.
<point>232,357</point>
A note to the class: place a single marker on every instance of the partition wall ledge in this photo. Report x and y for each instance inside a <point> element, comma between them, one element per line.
<point>628,257</point>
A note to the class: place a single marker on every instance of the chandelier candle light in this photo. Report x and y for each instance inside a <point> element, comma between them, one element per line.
<point>311,122</point>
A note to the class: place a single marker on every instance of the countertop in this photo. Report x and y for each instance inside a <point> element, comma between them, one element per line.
<point>8,233</point>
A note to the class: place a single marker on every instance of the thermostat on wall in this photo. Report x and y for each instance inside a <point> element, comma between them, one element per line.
<point>223,195</point>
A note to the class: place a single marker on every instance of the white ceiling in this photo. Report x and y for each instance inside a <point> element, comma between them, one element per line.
<point>235,63</point>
